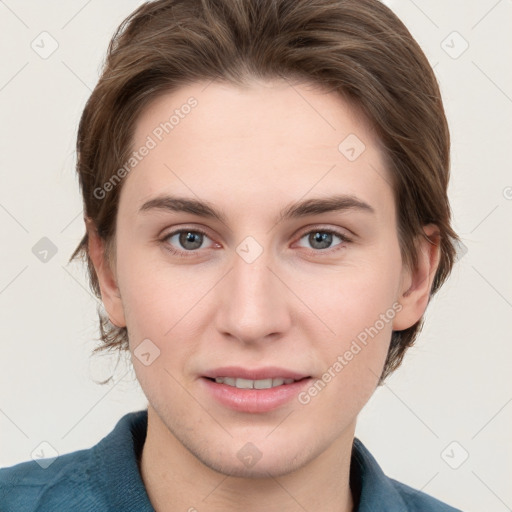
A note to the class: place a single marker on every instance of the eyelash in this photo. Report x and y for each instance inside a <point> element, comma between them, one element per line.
<point>191,253</point>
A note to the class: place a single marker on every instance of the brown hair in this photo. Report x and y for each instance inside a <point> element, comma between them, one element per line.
<point>357,48</point>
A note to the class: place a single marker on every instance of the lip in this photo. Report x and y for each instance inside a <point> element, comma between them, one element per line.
<point>253,400</point>
<point>268,372</point>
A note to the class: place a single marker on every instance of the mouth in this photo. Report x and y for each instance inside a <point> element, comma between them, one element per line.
<point>241,383</point>
<point>254,390</point>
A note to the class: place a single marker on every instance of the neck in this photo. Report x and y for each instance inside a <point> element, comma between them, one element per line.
<point>176,480</point>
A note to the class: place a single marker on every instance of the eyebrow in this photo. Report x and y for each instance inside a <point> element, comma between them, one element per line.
<point>297,210</point>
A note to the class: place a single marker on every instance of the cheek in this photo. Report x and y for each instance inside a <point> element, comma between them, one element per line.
<point>160,311</point>
<point>354,298</point>
<point>163,304</point>
<point>359,306</point>
<point>360,312</point>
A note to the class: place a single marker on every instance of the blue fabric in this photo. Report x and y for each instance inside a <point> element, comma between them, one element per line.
<point>106,478</point>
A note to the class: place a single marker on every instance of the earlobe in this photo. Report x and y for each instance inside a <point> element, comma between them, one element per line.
<point>417,283</point>
<point>110,295</point>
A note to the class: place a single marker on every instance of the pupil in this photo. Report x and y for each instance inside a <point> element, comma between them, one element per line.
<point>323,238</point>
<point>188,238</point>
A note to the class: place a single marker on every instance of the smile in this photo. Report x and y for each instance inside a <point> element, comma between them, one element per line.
<point>241,383</point>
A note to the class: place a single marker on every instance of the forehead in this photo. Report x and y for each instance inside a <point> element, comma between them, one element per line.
<point>266,143</point>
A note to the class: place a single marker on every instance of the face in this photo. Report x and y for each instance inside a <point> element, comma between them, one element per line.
<point>263,291</point>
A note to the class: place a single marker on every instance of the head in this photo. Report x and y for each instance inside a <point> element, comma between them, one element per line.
<point>250,107</point>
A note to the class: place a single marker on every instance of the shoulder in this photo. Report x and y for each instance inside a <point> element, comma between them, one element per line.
<point>104,477</point>
<point>61,485</point>
<point>418,501</point>
<point>374,490</point>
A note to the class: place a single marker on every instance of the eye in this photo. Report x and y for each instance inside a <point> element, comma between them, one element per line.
<point>185,241</point>
<point>322,239</point>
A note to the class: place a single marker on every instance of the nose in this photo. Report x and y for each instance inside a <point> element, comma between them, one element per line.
<point>253,301</point>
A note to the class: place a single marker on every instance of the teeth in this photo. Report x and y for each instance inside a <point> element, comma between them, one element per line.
<point>252,384</point>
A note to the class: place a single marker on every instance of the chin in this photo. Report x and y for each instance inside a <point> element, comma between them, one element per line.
<point>260,458</point>
<point>274,467</point>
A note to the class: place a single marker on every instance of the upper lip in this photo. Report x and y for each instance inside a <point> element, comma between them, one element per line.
<point>269,372</point>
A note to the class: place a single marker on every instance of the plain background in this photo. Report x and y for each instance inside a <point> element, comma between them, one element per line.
<point>450,400</point>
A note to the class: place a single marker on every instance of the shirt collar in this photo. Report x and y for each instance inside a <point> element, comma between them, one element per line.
<point>116,458</point>
<point>371,488</point>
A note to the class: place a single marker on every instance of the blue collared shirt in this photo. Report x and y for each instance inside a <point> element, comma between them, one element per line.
<point>106,477</point>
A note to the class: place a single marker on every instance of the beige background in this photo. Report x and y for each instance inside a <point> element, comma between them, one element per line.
<point>453,396</point>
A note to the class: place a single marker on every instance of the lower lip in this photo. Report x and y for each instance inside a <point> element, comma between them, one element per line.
<point>254,400</point>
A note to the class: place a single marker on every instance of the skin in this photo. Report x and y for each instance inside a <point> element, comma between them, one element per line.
<point>250,152</point>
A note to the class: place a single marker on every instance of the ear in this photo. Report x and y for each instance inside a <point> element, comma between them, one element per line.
<point>110,295</point>
<point>417,283</point>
